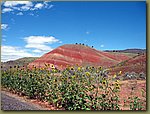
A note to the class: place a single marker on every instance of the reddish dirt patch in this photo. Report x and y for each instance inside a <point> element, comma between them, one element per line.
<point>130,88</point>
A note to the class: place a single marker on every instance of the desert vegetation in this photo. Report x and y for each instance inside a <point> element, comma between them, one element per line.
<point>77,87</point>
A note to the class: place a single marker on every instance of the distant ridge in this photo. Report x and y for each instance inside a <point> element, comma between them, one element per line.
<point>135,50</point>
<point>18,62</point>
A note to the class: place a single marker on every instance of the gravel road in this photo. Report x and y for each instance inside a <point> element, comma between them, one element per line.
<point>9,102</point>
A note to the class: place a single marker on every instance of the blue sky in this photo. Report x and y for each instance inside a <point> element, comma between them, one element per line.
<point>34,28</point>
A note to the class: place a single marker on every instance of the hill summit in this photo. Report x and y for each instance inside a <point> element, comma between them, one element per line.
<point>73,54</point>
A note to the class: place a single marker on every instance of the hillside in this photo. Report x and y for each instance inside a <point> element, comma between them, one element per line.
<point>136,64</point>
<point>71,54</point>
<point>19,62</point>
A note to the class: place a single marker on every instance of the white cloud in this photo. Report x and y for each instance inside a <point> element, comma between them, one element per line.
<point>49,7</point>
<point>41,39</point>
<point>39,46</point>
<point>42,5</point>
<point>15,3</point>
<point>24,6</point>
<point>13,53</point>
<point>38,6</point>
<point>7,10</point>
<point>4,26</point>
<point>37,51</point>
<point>46,5</point>
<point>20,13</point>
<point>102,45</point>
<point>60,42</point>
<point>40,42</point>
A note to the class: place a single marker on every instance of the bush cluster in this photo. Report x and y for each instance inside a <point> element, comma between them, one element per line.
<point>74,88</point>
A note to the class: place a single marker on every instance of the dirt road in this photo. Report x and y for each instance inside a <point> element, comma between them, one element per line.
<point>10,102</point>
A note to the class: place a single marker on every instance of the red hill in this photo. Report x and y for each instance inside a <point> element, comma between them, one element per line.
<point>136,64</point>
<point>70,54</point>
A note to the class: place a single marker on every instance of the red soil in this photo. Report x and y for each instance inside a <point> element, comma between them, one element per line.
<point>137,65</point>
<point>132,88</point>
<point>78,54</point>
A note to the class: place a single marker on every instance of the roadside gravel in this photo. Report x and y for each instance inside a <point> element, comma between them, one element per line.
<point>11,102</point>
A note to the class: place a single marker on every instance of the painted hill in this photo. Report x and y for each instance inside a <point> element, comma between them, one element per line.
<point>72,54</point>
<point>136,64</point>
